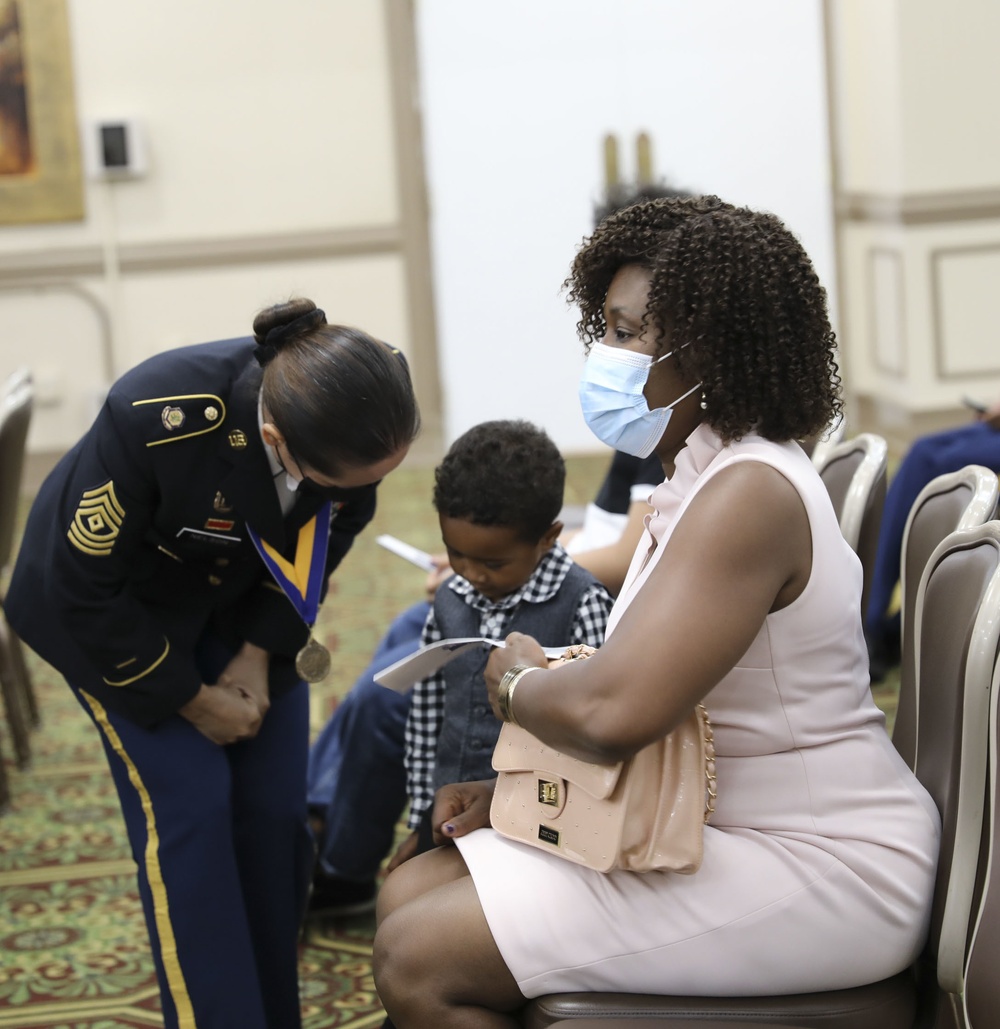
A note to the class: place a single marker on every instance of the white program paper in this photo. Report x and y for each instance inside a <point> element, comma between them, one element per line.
<point>413,554</point>
<point>401,675</point>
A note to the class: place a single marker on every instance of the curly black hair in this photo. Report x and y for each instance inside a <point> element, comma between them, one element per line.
<point>737,286</point>
<point>505,473</point>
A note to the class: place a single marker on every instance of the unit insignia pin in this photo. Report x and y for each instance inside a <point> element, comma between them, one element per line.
<point>172,417</point>
<point>220,504</point>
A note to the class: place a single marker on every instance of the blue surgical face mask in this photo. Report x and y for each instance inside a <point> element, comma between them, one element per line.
<point>613,403</point>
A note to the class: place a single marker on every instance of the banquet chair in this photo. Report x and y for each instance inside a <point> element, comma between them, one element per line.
<point>828,440</point>
<point>966,564</point>
<point>957,601</point>
<point>20,705</point>
<point>854,473</point>
<point>625,1023</point>
<point>957,500</point>
<point>977,1006</point>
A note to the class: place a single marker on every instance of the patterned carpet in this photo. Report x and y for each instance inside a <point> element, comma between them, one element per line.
<point>73,948</point>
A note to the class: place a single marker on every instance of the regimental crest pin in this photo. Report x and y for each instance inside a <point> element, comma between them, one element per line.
<point>172,418</point>
<point>211,413</point>
<point>220,504</point>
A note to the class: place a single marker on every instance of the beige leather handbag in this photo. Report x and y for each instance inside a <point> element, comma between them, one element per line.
<point>642,814</point>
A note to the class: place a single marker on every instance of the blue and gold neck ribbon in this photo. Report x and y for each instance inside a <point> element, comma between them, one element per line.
<point>301,580</point>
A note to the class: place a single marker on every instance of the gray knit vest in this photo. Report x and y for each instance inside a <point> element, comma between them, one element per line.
<point>469,729</point>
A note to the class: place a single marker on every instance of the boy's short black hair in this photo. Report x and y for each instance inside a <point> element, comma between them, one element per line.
<point>506,473</point>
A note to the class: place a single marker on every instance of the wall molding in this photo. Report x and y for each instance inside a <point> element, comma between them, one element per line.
<point>28,266</point>
<point>411,183</point>
<point>897,372</point>
<point>919,208</point>
<point>936,257</point>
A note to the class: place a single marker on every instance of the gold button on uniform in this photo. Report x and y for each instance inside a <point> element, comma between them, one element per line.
<point>221,562</point>
<point>214,580</point>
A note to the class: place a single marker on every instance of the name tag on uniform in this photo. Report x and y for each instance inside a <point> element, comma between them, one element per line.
<point>216,539</point>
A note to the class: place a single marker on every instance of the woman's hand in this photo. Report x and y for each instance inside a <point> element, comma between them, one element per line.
<point>460,808</point>
<point>248,671</point>
<point>406,850</point>
<point>518,649</point>
<point>224,714</point>
<point>991,416</point>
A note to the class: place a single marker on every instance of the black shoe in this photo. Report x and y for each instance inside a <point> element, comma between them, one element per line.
<point>339,898</point>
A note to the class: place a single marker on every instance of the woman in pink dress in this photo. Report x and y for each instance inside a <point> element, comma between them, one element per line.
<point>709,344</point>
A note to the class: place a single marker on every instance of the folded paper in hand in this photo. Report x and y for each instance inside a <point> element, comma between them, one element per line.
<point>427,660</point>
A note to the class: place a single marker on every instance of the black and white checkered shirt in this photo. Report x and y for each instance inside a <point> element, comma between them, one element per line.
<point>423,725</point>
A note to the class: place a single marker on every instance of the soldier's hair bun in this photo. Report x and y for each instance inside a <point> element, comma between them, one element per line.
<point>278,325</point>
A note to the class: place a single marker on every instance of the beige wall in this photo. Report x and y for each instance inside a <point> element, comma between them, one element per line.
<point>284,149</point>
<point>519,98</point>
<point>917,184</point>
<point>272,171</point>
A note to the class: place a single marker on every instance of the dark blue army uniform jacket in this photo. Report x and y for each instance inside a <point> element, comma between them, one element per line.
<point>137,543</point>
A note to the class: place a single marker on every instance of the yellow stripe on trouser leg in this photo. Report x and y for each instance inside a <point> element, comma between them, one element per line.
<point>164,930</point>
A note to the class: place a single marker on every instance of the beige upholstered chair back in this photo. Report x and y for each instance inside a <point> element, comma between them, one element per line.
<point>957,638</point>
<point>854,473</point>
<point>958,500</point>
<point>980,1004</point>
<point>16,403</point>
<point>827,441</point>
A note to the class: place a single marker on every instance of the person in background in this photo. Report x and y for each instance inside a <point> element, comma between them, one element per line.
<point>710,345</point>
<point>615,518</point>
<point>928,457</point>
<point>171,569</point>
<point>356,781</point>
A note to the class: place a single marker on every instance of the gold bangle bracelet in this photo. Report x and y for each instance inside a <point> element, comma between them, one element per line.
<point>505,691</point>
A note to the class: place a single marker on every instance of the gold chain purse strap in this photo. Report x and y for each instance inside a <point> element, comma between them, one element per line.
<point>711,791</point>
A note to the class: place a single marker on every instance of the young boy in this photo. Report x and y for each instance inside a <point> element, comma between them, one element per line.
<point>498,493</point>
<point>510,477</point>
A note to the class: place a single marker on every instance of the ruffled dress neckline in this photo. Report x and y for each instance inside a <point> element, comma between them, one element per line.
<point>703,446</point>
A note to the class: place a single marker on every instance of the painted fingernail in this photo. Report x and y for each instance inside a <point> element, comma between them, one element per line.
<point>448,827</point>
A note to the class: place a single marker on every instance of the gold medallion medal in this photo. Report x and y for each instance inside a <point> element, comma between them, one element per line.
<point>313,661</point>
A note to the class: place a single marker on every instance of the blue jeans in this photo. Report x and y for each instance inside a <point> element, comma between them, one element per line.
<point>356,775</point>
<point>928,457</point>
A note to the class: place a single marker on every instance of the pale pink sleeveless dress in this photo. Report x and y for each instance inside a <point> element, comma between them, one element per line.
<point>820,857</point>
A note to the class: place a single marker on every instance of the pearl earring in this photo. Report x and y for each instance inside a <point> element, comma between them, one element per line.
<point>704,402</point>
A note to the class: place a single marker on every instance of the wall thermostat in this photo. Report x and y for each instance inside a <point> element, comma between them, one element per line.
<point>114,149</point>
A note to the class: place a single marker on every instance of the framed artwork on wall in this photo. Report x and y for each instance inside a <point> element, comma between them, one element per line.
<point>40,171</point>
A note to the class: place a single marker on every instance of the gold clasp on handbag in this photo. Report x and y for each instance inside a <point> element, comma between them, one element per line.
<point>548,793</point>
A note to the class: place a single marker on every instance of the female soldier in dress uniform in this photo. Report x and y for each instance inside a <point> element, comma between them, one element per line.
<point>171,568</point>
